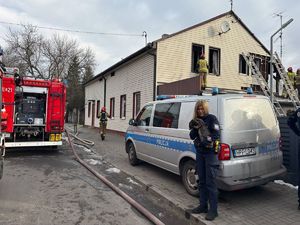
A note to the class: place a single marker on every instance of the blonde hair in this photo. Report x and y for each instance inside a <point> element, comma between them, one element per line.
<point>202,103</point>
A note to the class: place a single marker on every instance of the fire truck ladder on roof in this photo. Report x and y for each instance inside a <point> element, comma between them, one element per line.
<point>287,84</point>
<point>262,83</point>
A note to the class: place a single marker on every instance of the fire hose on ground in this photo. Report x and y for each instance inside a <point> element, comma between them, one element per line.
<point>131,201</point>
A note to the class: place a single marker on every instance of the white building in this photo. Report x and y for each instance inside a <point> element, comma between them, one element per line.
<point>126,86</point>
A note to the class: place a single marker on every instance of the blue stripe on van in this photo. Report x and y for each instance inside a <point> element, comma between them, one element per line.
<point>268,147</point>
<point>163,142</point>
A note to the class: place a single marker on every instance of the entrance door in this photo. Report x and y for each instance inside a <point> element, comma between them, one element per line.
<point>93,114</point>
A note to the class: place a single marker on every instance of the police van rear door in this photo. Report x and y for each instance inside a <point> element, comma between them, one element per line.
<point>251,128</point>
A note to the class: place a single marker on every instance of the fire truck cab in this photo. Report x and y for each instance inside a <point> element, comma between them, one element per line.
<point>34,110</point>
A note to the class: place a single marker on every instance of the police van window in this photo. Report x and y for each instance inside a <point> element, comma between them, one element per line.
<point>143,119</point>
<point>166,115</point>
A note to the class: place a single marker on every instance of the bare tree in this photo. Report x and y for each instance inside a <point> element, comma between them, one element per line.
<point>44,58</point>
<point>59,52</point>
<point>55,57</point>
<point>25,48</point>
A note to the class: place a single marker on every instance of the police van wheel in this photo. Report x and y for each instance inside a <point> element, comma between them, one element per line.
<point>133,160</point>
<point>190,178</point>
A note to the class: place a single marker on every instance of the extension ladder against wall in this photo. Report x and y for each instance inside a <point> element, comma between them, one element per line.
<point>262,83</point>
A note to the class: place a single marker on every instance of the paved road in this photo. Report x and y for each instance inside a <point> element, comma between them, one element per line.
<point>269,204</point>
<point>49,187</point>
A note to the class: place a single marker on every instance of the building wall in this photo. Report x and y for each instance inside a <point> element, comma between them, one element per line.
<point>137,75</point>
<point>174,54</point>
<point>93,91</point>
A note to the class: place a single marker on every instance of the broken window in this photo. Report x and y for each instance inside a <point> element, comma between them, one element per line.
<point>197,51</point>
<point>243,67</point>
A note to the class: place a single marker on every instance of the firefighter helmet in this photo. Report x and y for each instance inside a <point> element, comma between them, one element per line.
<point>290,69</point>
<point>103,109</point>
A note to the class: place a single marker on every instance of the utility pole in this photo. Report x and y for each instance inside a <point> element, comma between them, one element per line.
<point>280,35</point>
<point>272,57</point>
<point>145,36</point>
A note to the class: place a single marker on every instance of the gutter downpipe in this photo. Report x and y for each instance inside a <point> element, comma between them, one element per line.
<point>104,92</point>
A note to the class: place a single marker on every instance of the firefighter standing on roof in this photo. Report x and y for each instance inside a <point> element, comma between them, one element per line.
<point>203,70</point>
<point>205,132</point>
<point>103,122</point>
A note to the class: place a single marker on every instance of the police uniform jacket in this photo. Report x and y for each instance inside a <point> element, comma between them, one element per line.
<point>213,126</point>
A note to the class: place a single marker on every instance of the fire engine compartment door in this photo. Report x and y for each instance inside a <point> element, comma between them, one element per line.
<point>8,98</point>
<point>55,110</point>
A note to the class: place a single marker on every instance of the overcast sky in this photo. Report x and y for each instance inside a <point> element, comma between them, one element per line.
<point>156,17</point>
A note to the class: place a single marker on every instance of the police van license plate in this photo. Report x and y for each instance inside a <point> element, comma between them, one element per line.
<point>244,152</point>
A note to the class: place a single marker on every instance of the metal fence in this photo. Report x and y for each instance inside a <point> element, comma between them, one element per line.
<point>290,148</point>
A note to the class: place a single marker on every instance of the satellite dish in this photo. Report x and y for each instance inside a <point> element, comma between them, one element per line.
<point>225,26</point>
<point>211,31</point>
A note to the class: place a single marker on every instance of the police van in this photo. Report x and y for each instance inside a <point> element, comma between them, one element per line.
<point>249,151</point>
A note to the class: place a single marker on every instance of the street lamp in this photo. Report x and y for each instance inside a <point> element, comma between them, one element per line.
<point>271,60</point>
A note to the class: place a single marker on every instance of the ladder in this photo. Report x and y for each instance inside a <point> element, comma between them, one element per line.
<point>287,84</point>
<point>262,83</point>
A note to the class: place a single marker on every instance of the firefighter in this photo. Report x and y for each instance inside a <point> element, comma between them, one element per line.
<point>203,70</point>
<point>294,123</point>
<point>103,122</point>
<point>297,81</point>
<point>206,141</point>
<point>291,76</point>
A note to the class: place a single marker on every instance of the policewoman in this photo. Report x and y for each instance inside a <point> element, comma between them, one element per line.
<point>206,138</point>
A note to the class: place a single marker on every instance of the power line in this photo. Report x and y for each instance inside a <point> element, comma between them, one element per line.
<point>76,31</point>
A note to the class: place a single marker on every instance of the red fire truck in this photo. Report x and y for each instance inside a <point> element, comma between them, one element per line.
<point>33,110</point>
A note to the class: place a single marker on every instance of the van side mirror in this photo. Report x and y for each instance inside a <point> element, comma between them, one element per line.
<point>132,122</point>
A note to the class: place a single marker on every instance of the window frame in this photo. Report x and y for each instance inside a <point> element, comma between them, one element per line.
<point>241,62</point>
<point>136,109</point>
<point>98,108</point>
<point>210,60</point>
<point>123,110</point>
<point>195,58</point>
<point>112,107</point>
<point>138,121</point>
<point>89,109</point>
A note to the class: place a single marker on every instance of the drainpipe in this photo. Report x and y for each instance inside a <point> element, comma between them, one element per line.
<point>104,92</point>
<point>154,76</point>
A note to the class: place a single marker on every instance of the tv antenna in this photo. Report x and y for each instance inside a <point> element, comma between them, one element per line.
<point>280,34</point>
<point>231,4</point>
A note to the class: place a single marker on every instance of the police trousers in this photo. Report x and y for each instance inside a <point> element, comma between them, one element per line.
<point>207,167</point>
